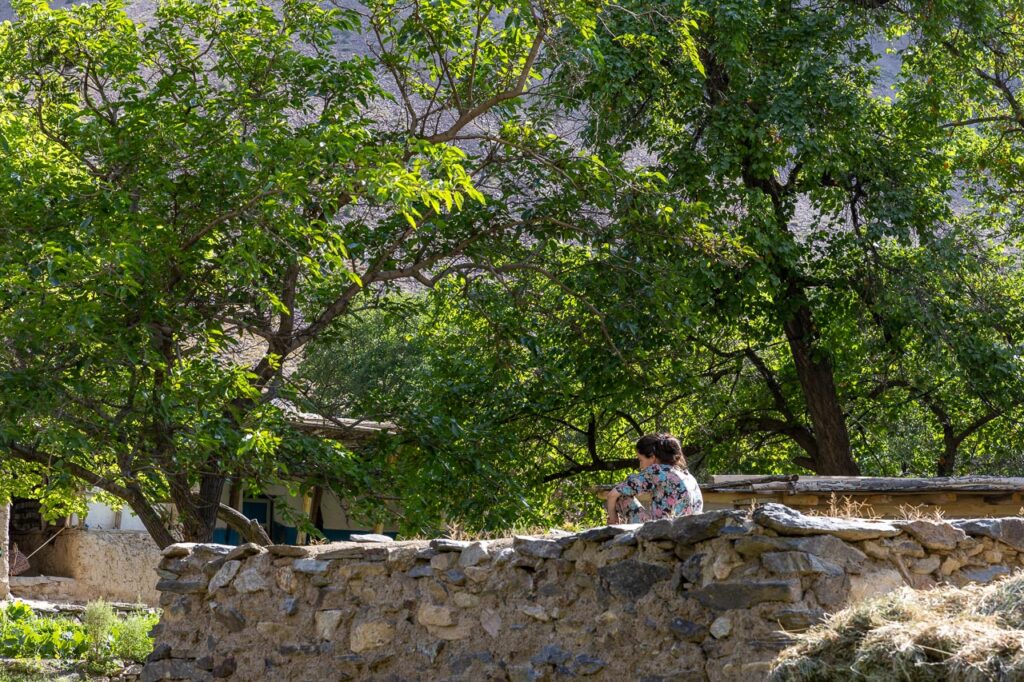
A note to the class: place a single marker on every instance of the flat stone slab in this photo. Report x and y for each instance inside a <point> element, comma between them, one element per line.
<point>1008,530</point>
<point>798,563</point>
<point>742,595</point>
<point>934,534</point>
<point>602,533</point>
<point>827,546</point>
<point>786,521</point>
<point>687,530</point>
<point>446,545</point>
<point>541,548</point>
<point>370,537</point>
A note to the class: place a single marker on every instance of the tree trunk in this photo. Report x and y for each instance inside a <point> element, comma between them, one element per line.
<point>151,520</point>
<point>198,510</point>
<point>815,372</point>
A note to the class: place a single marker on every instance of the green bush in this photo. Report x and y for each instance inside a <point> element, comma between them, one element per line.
<point>99,621</point>
<point>131,637</point>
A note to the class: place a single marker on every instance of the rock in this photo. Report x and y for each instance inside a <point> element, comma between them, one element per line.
<point>310,566</point>
<point>465,600</point>
<point>455,577</point>
<point>926,565</point>
<point>289,551</point>
<point>290,606</point>
<point>371,635</point>
<point>176,550</point>
<point>632,579</point>
<point>786,521</point>
<point>627,539</point>
<point>225,575</point>
<point>950,566</point>
<point>540,548</point>
<point>244,551</point>
<point>687,630</point>
<point>798,563</point>
<point>743,595</point>
<point>446,545</point>
<point>535,611</point>
<point>692,569</point>
<point>603,533</point>
<point>905,547</point>
<point>225,668</point>
<point>430,649</point>
<point>250,580</point>
<point>992,556</point>
<point>420,571</point>
<point>431,614</point>
<point>720,627</point>
<point>160,652</point>
<point>444,562</point>
<point>181,586</point>
<point>984,574</point>
<point>474,554</point>
<point>172,669</point>
<point>370,538</point>
<point>360,551</point>
<point>551,654</point>
<point>832,590</point>
<point>798,619</point>
<point>1009,531</point>
<point>687,530</point>
<point>228,616</point>
<point>490,621</point>
<point>326,622</point>
<point>874,583</point>
<point>827,546</point>
<point>504,556</point>
<point>584,665</point>
<point>875,550</point>
<point>285,579</point>
<point>935,534</point>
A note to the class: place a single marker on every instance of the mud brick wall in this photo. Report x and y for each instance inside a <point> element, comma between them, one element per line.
<point>709,597</point>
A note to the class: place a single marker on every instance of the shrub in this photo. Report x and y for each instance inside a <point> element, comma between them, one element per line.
<point>99,621</point>
<point>131,637</point>
<point>23,634</point>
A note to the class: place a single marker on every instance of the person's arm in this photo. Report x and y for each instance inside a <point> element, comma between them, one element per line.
<point>609,504</point>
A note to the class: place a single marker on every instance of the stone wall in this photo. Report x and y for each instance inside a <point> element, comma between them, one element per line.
<point>116,565</point>
<point>708,597</point>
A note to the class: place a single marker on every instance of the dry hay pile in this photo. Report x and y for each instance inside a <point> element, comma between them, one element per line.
<point>968,635</point>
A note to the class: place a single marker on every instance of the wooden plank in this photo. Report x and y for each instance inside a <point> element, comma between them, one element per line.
<point>801,500</point>
<point>850,484</point>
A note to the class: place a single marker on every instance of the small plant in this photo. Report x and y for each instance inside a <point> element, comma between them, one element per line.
<point>99,621</point>
<point>131,637</point>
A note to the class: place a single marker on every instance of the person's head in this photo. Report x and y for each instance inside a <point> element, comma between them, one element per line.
<point>662,448</point>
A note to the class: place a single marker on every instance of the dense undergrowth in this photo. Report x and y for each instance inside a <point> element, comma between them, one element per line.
<point>969,634</point>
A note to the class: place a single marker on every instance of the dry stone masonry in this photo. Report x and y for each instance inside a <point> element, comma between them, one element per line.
<point>709,597</point>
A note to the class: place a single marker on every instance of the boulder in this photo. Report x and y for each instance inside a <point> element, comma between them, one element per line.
<point>786,521</point>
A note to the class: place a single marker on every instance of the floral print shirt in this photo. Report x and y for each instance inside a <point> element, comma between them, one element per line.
<point>674,492</point>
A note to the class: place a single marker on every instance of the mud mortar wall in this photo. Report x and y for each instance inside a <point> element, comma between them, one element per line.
<point>705,597</point>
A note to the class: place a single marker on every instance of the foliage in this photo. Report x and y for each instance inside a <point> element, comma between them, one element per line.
<point>26,635</point>
<point>187,203</point>
<point>102,638</point>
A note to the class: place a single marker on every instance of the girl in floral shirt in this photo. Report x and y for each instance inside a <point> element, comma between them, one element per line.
<point>663,474</point>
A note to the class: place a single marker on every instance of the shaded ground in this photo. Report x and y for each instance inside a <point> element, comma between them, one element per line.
<point>972,634</point>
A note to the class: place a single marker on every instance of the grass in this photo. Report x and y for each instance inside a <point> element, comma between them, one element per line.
<point>970,634</point>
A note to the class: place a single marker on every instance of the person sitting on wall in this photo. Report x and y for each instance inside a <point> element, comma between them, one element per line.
<point>663,474</point>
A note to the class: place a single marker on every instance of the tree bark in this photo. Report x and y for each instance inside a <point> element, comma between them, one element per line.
<point>815,372</point>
